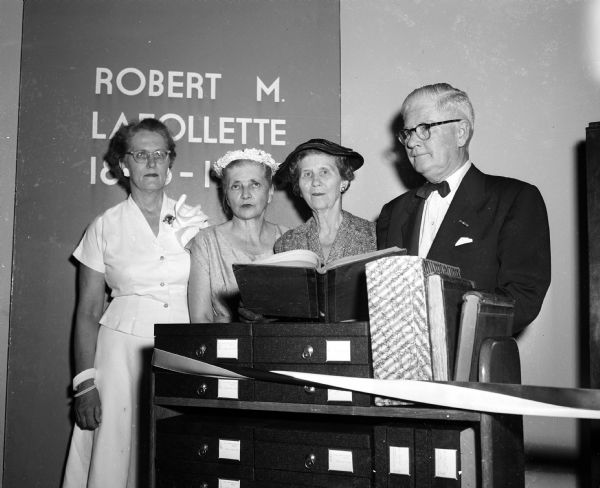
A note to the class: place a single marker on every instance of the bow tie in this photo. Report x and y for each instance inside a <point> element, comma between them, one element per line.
<point>443,188</point>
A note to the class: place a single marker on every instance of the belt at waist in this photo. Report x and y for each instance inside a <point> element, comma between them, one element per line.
<point>135,314</point>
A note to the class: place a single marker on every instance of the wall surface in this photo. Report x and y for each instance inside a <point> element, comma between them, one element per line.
<point>10,50</point>
<point>530,68</point>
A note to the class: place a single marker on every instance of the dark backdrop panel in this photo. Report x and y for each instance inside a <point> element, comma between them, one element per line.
<point>64,125</point>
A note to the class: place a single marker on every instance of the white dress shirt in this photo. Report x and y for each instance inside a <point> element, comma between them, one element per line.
<point>435,210</point>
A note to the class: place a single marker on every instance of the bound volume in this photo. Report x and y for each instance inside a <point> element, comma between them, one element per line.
<point>444,304</point>
<point>294,284</point>
<point>483,315</point>
<point>414,307</point>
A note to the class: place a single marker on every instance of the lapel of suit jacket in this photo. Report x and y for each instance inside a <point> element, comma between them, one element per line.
<point>461,218</point>
<point>403,224</point>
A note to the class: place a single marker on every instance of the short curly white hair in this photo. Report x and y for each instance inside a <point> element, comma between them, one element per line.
<point>248,154</point>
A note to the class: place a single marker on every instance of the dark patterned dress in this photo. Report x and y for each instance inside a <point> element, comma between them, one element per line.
<point>355,236</point>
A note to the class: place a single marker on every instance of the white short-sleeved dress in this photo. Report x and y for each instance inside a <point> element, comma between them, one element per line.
<point>148,277</point>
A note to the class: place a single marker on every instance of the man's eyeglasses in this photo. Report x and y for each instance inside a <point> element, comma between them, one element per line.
<point>142,157</point>
<point>422,130</point>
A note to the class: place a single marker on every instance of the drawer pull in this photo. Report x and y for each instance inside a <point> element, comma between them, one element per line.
<point>203,450</point>
<point>201,351</point>
<point>309,389</point>
<point>201,390</point>
<point>308,352</point>
<point>309,461</point>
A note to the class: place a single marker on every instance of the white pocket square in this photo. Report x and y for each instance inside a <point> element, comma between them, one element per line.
<point>463,240</point>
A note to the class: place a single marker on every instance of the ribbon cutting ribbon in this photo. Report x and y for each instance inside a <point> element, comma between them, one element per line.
<point>542,401</point>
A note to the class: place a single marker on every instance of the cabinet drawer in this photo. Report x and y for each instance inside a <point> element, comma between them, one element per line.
<point>343,449</point>
<point>394,456</point>
<point>311,350</point>
<point>227,343</point>
<point>201,449</point>
<point>185,475</point>
<point>191,386</point>
<point>333,459</point>
<point>271,478</point>
<point>346,343</point>
<point>310,395</point>
<point>426,454</point>
<point>279,392</point>
<point>206,440</point>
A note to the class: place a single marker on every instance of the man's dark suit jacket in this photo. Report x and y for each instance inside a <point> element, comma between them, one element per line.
<point>508,224</point>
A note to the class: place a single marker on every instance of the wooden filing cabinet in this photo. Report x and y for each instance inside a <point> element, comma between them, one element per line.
<point>404,446</point>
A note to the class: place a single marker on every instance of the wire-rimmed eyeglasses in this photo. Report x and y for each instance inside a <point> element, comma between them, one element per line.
<point>142,157</point>
<point>422,130</point>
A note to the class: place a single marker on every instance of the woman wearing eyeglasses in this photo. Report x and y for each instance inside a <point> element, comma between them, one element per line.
<point>136,249</point>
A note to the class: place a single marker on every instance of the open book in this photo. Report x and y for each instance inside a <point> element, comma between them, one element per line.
<point>294,284</point>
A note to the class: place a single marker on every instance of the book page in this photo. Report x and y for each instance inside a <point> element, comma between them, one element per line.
<point>367,255</point>
<point>298,258</point>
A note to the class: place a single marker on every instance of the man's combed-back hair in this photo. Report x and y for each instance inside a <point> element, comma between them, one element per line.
<point>448,99</point>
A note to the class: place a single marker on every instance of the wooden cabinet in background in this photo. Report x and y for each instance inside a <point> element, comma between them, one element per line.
<point>592,203</point>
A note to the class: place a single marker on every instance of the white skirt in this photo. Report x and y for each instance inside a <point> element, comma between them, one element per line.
<point>116,454</point>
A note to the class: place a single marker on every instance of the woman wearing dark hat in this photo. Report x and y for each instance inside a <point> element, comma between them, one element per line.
<point>321,171</point>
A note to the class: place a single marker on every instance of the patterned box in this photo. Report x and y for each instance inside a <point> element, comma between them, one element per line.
<point>399,324</point>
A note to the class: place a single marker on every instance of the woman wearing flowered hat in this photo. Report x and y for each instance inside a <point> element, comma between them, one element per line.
<point>320,171</point>
<point>246,178</point>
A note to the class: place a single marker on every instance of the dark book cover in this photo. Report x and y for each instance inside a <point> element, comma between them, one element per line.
<point>334,293</point>
<point>279,291</point>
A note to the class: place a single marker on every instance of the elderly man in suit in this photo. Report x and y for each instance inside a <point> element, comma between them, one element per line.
<point>495,229</point>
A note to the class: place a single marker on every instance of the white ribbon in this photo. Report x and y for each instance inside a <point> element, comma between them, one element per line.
<point>480,397</point>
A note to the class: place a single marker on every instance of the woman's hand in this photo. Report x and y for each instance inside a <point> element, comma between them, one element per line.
<point>88,411</point>
<point>89,310</point>
<point>248,316</point>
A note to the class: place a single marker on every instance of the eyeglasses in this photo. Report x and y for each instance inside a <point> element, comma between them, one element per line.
<point>142,157</point>
<point>422,130</point>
